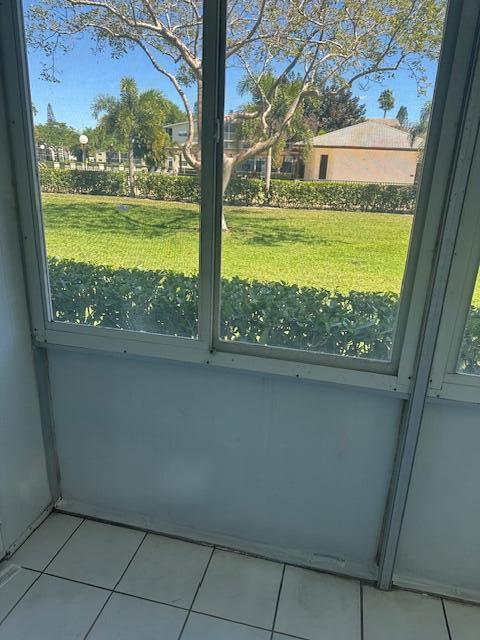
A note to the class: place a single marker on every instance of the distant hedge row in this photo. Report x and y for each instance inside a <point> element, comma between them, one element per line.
<point>298,194</point>
<point>357,324</point>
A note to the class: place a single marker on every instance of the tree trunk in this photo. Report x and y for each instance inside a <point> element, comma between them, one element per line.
<point>268,171</point>
<point>227,174</point>
<point>199,111</point>
<point>131,171</point>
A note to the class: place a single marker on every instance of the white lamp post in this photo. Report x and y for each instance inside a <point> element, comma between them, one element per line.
<point>83,141</point>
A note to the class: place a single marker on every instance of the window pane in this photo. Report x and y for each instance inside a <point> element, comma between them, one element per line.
<point>469,360</point>
<point>118,156</point>
<point>321,168</point>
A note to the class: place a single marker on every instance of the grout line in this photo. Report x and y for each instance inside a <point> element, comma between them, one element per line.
<point>21,598</point>
<point>86,584</point>
<point>196,593</point>
<point>362,626</point>
<point>277,602</point>
<point>63,545</point>
<point>10,554</point>
<point>164,604</point>
<point>224,547</point>
<point>447,624</point>
<point>114,587</point>
<point>242,624</point>
<point>40,573</point>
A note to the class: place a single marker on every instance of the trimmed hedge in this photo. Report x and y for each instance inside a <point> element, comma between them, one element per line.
<point>343,196</point>
<point>98,183</point>
<point>298,194</point>
<point>469,361</point>
<point>357,324</point>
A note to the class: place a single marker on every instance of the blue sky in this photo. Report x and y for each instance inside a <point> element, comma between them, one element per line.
<point>85,73</point>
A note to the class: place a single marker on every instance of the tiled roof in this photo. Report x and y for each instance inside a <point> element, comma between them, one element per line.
<point>371,133</point>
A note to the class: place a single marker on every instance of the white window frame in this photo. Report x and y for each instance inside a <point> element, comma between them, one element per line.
<point>440,158</point>
<point>446,381</point>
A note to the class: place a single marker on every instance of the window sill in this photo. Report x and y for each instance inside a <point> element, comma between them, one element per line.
<point>458,387</point>
<point>138,345</point>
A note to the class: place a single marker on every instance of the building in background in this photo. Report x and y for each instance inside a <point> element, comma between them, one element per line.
<point>376,150</point>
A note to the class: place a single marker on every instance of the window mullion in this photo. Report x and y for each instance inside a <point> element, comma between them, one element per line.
<point>213,77</point>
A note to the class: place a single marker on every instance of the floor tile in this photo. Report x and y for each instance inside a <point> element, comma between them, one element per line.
<point>127,618</point>
<point>200,627</point>
<point>54,609</point>
<point>166,570</point>
<point>464,620</point>
<point>400,615</point>
<point>39,549</point>
<point>97,554</point>
<point>240,588</point>
<point>318,606</point>
<point>12,590</point>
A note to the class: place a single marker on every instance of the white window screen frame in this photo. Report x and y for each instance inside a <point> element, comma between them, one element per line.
<point>446,381</point>
<point>440,157</point>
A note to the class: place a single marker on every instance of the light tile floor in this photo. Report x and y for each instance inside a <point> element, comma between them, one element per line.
<point>75,579</point>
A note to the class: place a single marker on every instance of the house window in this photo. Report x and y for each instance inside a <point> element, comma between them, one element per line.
<point>322,173</point>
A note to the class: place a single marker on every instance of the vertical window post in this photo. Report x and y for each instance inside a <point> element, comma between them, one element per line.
<point>214,33</point>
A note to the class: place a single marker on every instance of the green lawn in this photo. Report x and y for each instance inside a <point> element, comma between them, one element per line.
<point>335,250</point>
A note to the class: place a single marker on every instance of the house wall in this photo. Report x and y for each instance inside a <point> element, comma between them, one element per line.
<point>364,165</point>
<point>24,487</point>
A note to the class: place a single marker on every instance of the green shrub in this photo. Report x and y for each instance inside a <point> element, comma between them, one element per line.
<point>245,191</point>
<point>298,194</point>
<point>469,361</point>
<point>112,183</point>
<point>161,186</point>
<point>343,196</point>
<point>357,324</point>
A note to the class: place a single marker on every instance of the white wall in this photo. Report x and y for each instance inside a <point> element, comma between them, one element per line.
<point>291,469</point>
<point>440,543</point>
<point>364,165</point>
<point>24,489</point>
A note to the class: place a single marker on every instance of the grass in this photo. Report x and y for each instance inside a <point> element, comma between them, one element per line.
<point>334,250</point>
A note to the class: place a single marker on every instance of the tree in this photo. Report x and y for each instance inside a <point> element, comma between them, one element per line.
<point>173,113</point>
<point>56,135</point>
<point>386,101</point>
<point>402,116</point>
<point>135,121</point>
<point>50,115</point>
<point>253,130</point>
<point>420,128</point>
<point>322,41</point>
<point>338,108</point>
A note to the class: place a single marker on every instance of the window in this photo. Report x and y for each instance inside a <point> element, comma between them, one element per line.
<point>311,266</point>
<point>469,357</point>
<point>322,173</point>
<point>121,237</point>
<point>305,270</point>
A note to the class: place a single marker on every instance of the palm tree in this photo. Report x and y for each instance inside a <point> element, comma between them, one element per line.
<point>135,121</point>
<point>386,101</point>
<point>418,132</point>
